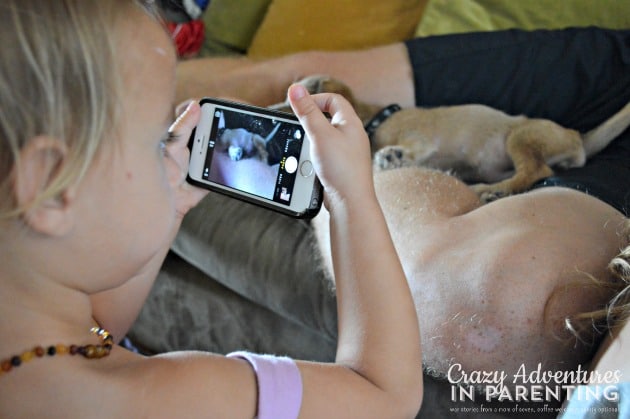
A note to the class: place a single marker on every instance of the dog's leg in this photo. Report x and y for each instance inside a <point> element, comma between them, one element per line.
<point>529,165</point>
<point>533,147</point>
<point>260,145</point>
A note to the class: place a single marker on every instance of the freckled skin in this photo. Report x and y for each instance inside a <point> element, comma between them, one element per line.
<point>488,280</point>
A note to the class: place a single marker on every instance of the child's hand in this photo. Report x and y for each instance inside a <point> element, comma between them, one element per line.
<point>340,148</point>
<point>178,157</point>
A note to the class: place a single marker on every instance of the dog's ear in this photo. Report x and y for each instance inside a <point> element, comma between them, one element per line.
<point>364,110</point>
<point>282,107</point>
<point>315,83</point>
<point>326,84</point>
<point>321,84</point>
<point>337,86</point>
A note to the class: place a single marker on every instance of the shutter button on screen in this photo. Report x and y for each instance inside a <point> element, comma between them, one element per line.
<point>290,165</point>
<point>306,168</point>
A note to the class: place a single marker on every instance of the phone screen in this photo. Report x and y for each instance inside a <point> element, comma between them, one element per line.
<point>254,154</point>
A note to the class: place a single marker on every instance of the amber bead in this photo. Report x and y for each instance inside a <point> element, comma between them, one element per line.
<point>62,349</point>
<point>6,366</point>
<point>88,351</point>
<point>27,356</point>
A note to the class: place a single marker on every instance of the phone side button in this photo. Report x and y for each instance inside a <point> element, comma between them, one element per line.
<point>306,168</point>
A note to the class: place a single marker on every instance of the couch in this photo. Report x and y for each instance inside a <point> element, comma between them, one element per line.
<point>241,277</point>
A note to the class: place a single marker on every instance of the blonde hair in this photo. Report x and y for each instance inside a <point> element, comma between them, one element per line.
<point>58,78</point>
<point>617,309</point>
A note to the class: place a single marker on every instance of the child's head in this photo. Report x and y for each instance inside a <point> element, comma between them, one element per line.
<point>86,99</point>
<point>58,78</point>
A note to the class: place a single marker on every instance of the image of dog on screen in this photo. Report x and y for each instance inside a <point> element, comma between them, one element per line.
<point>248,151</point>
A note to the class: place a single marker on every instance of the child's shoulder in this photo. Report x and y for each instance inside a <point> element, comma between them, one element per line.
<point>126,384</point>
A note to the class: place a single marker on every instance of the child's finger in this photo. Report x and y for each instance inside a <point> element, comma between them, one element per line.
<point>181,108</point>
<point>176,149</point>
<point>307,110</point>
<point>186,121</point>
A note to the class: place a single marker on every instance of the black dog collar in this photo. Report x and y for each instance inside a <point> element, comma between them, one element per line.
<point>379,118</point>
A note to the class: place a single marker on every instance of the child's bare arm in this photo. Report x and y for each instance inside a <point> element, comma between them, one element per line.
<point>378,365</point>
<point>378,328</point>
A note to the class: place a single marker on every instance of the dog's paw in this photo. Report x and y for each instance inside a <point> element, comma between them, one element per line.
<point>392,157</point>
<point>235,153</point>
<point>488,193</point>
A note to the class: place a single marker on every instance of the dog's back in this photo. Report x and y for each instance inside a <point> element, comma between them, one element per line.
<point>478,143</point>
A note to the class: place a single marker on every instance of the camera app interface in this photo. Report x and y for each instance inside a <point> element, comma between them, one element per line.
<point>254,154</point>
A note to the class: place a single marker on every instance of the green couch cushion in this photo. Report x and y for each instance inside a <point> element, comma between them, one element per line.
<point>457,16</point>
<point>231,25</point>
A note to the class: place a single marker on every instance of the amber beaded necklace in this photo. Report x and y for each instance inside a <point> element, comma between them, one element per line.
<point>87,351</point>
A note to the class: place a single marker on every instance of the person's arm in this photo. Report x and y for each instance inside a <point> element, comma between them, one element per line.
<point>379,340</point>
<point>378,368</point>
<point>265,82</point>
<point>576,77</point>
<point>117,309</point>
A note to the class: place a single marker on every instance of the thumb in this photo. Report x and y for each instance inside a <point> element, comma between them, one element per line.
<point>186,121</point>
<point>307,110</point>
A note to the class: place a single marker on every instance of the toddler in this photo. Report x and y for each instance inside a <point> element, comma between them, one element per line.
<point>93,191</point>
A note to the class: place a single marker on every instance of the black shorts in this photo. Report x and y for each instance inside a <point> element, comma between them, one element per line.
<point>575,77</point>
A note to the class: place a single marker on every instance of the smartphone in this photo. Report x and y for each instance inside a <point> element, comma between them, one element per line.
<point>257,155</point>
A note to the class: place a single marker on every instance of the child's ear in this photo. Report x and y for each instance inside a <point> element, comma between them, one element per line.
<point>41,160</point>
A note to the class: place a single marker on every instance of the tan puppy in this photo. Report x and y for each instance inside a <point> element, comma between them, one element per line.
<point>477,143</point>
